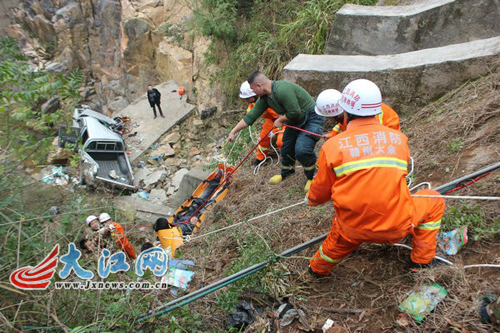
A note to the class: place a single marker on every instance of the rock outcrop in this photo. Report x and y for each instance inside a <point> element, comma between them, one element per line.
<point>121,46</point>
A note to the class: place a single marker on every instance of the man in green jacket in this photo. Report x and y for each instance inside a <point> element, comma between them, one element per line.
<point>295,107</point>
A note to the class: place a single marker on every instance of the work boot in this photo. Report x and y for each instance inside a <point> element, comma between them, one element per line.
<point>275,179</point>
<point>162,116</point>
<point>308,185</point>
<point>490,308</point>
<point>316,275</point>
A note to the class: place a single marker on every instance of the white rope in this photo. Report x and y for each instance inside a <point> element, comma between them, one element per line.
<point>251,135</point>
<point>449,262</point>
<point>437,257</point>
<point>252,219</point>
<point>408,176</point>
<point>482,265</point>
<point>234,144</point>
<point>421,184</point>
<point>454,197</point>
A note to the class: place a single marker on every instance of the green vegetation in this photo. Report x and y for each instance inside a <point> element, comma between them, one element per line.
<point>27,131</point>
<point>475,220</point>
<point>252,249</point>
<point>257,34</point>
<point>456,145</point>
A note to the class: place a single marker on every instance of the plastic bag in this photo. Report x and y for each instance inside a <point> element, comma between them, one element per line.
<point>421,302</point>
<point>452,241</point>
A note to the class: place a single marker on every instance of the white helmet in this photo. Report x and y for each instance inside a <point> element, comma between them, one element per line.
<point>90,219</point>
<point>246,91</point>
<point>327,103</point>
<point>361,98</point>
<point>104,217</point>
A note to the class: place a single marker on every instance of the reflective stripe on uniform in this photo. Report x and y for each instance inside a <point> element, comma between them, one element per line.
<point>378,162</point>
<point>327,258</point>
<point>309,168</point>
<point>336,128</point>
<point>288,167</point>
<point>430,225</point>
<point>381,117</point>
<point>263,148</point>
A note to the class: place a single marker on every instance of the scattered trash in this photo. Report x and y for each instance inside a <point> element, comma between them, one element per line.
<point>180,264</point>
<point>174,291</point>
<point>452,241</point>
<point>54,210</point>
<point>244,316</point>
<point>402,320</point>
<point>141,164</point>
<point>421,302</point>
<point>141,194</point>
<point>287,313</point>
<point>328,323</point>
<point>58,177</point>
<point>177,277</point>
<point>112,174</point>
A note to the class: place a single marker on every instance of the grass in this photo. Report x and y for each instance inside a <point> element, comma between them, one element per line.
<point>474,218</point>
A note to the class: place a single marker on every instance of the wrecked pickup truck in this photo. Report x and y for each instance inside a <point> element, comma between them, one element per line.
<point>103,155</point>
<point>103,152</point>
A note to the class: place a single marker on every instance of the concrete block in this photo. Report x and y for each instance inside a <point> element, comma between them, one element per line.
<point>190,182</point>
<point>407,80</point>
<point>377,30</point>
<point>178,176</point>
<point>157,195</point>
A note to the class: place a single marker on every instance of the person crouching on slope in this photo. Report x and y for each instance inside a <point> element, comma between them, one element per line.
<point>363,171</point>
<point>295,107</point>
<point>115,230</point>
<point>247,94</point>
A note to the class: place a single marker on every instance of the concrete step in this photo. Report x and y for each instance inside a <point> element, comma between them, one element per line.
<point>407,80</point>
<point>377,30</point>
<point>149,130</point>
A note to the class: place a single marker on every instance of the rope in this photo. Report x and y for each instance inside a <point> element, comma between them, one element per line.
<point>469,183</point>
<point>449,262</point>
<point>465,197</point>
<point>251,219</point>
<point>306,131</point>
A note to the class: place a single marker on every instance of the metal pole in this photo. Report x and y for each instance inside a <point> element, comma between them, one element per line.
<point>445,187</point>
<point>172,305</point>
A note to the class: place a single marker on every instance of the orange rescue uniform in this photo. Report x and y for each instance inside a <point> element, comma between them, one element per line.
<point>269,117</point>
<point>388,117</point>
<point>118,234</point>
<point>363,171</point>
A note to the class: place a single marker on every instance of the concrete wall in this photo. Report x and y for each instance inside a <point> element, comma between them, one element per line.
<point>5,5</point>
<point>189,183</point>
<point>407,80</point>
<point>380,30</point>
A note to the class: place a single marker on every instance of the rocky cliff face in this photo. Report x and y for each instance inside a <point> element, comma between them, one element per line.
<point>121,46</point>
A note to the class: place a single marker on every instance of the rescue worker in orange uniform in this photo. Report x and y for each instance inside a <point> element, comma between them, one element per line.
<point>247,94</point>
<point>387,117</point>
<point>363,171</point>
<point>117,233</point>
